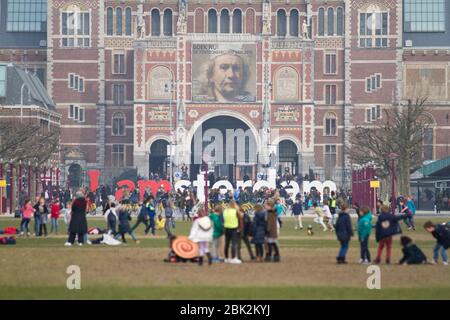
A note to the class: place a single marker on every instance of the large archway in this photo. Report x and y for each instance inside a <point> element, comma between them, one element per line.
<point>288,157</point>
<point>228,145</point>
<point>74,179</point>
<point>158,157</point>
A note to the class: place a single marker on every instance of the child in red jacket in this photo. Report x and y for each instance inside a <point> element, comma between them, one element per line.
<point>55,212</point>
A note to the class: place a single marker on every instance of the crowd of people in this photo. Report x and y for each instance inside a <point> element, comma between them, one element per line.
<point>252,218</point>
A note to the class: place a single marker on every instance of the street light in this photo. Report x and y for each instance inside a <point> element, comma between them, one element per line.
<point>447,116</point>
<point>170,88</point>
<point>392,157</point>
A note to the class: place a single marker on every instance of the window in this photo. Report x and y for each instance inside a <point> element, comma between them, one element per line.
<point>76,113</point>
<point>118,155</point>
<point>330,94</point>
<point>428,144</point>
<point>293,23</point>
<point>3,81</point>
<point>340,21</point>
<point>119,63</point>
<point>281,23</point>
<point>76,82</point>
<point>373,83</point>
<point>330,22</point>
<point>373,113</point>
<point>321,22</point>
<point>156,23</point>
<point>330,124</point>
<point>373,30</point>
<point>118,124</point>
<point>167,23</point>
<point>119,21</point>
<point>27,16</point>
<point>224,21</point>
<point>75,29</point>
<point>109,21</point>
<point>330,63</point>
<point>212,21</point>
<point>330,161</point>
<point>119,94</point>
<point>237,21</point>
<point>424,15</point>
<point>128,21</point>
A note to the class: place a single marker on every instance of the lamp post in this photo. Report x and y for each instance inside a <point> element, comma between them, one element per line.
<point>170,88</point>
<point>447,117</point>
<point>393,156</point>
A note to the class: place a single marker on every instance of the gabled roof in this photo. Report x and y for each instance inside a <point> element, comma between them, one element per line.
<point>37,89</point>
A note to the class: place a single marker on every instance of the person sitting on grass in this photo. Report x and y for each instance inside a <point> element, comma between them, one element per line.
<point>344,232</point>
<point>411,252</point>
<point>442,235</point>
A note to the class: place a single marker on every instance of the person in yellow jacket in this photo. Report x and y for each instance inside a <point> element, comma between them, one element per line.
<point>231,220</point>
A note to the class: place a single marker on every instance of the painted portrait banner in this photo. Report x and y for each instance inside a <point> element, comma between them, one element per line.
<point>223,72</point>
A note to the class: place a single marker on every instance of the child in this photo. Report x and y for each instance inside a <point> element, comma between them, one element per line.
<point>41,217</point>
<point>124,223</point>
<point>386,227</point>
<point>202,233</point>
<point>442,236</point>
<point>297,210</point>
<point>111,219</point>
<point>272,232</point>
<point>328,217</point>
<point>364,229</point>
<point>66,214</point>
<point>259,231</point>
<point>217,219</point>
<point>407,214</point>
<point>319,213</point>
<point>27,212</point>
<point>344,232</point>
<point>56,207</point>
<point>280,211</point>
<point>412,208</point>
<point>411,253</point>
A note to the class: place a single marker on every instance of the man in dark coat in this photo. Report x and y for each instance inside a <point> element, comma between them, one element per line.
<point>78,223</point>
<point>344,232</point>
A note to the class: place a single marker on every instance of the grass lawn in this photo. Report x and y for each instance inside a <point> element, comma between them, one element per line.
<point>35,268</point>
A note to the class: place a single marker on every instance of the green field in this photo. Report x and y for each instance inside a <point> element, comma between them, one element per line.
<point>35,268</point>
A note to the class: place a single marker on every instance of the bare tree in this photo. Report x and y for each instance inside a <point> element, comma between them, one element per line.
<point>401,132</point>
<point>30,142</point>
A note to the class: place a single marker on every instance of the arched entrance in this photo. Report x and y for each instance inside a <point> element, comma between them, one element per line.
<point>158,157</point>
<point>74,178</point>
<point>288,158</point>
<point>227,145</point>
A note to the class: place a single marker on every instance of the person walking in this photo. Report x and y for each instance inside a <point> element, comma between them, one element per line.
<point>344,232</point>
<point>124,218</point>
<point>143,216</point>
<point>78,222</point>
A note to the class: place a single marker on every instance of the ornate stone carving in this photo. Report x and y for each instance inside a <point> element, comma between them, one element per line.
<point>159,113</point>
<point>286,84</point>
<point>267,18</point>
<point>159,77</point>
<point>287,114</point>
<point>182,17</point>
<point>141,22</point>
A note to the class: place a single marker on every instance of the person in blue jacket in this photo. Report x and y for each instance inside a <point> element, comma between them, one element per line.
<point>387,226</point>
<point>344,232</point>
<point>412,209</point>
<point>143,216</point>
<point>152,214</point>
<point>364,229</point>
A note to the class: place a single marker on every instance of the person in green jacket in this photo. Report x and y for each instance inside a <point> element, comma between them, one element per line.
<point>217,219</point>
<point>364,229</point>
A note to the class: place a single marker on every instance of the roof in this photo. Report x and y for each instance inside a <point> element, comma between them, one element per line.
<point>16,79</point>
<point>436,168</point>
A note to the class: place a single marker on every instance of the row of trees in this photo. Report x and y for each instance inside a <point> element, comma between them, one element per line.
<point>401,132</point>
